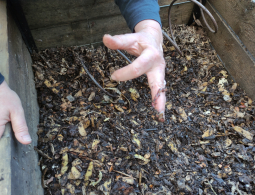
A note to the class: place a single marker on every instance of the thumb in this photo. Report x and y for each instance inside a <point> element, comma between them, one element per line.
<point>19,126</point>
<point>123,42</point>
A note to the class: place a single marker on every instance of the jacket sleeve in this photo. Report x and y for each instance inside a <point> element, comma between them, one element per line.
<point>1,78</point>
<point>134,11</point>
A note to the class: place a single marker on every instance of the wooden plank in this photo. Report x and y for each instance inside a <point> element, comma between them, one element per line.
<point>240,15</point>
<point>46,13</point>
<point>25,172</point>
<point>180,13</point>
<point>91,31</point>
<point>239,63</point>
<point>19,173</point>
<point>5,141</point>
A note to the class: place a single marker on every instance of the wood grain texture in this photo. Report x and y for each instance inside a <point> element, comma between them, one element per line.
<point>240,15</point>
<point>239,63</point>
<point>46,13</point>
<point>82,32</point>
<point>19,172</point>
<point>25,172</point>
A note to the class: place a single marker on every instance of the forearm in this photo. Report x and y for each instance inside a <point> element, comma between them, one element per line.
<point>1,78</point>
<point>135,11</point>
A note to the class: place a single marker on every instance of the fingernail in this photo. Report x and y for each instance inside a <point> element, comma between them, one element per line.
<point>26,138</point>
<point>113,77</point>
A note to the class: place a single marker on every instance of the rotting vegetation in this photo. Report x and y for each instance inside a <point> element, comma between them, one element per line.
<point>92,143</point>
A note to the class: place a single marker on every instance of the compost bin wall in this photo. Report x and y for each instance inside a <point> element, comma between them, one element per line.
<point>20,173</point>
<point>69,23</point>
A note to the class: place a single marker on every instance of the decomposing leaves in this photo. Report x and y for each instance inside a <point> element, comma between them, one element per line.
<point>243,132</point>
<point>90,142</point>
<point>88,173</point>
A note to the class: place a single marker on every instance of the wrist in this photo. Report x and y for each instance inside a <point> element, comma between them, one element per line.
<point>152,28</point>
<point>3,85</point>
<point>145,25</point>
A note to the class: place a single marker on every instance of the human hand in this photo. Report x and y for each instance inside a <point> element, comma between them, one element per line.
<point>11,110</point>
<point>147,44</point>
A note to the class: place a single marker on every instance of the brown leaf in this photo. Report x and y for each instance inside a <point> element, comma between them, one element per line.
<point>245,133</point>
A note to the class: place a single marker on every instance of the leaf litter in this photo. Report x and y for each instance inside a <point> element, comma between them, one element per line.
<point>91,143</point>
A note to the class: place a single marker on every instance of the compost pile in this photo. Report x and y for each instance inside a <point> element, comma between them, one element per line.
<point>92,143</point>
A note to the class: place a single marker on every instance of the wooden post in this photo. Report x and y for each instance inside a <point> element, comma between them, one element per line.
<point>19,170</point>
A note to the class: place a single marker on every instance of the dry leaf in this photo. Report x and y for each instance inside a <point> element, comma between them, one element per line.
<point>106,187</point>
<point>78,94</point>
<point>169,105</point>
<point>95,143</point>
<point>92,96</point>
<point>71,188</point>
<point>245,133</point>
<point>88,173</point>
<point>76,162</point>
<point>117,107</point>
<point>64,163</point>
<point>136,141</point>
<point>182,113</point>
<point>75,173</point>
<point>146,161</point>
<point>173,147</point>
<point>99,179</point>
<point>129,180</point>
<point>134,94</point>
<point>227,142</point>
<point>208,133</point>
<point>82,129</point>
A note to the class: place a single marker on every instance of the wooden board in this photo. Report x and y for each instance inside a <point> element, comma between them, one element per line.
<point>20,173</point>
<point>86,31</point>
<point>239,63</point>
<point>240,15</point>
<point>46,13</point>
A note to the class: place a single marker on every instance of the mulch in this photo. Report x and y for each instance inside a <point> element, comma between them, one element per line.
<point>92,143</point>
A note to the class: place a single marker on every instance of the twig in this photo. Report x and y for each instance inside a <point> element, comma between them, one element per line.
<point>150,129</point>
<point>44,59</point>
<point>41,153</point>
<point>122,173</point>
<point>208,183</point>
<point>92,78</point>
<point>43,175</point>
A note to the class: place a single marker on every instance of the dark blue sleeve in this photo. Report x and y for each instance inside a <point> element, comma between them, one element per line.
<point>134,11</point>
<point>1,78</point>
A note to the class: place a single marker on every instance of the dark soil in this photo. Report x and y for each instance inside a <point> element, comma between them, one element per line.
<point>92,143</point>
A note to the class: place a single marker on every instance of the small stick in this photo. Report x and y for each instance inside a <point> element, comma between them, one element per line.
<point>43,175</point>
<point>92,78</point>
<point>122,173</point>
<point>46,61</point>
<point>208,183</point>
<point>140,178</point>
<point>41,153</point>
<point>150,129</point>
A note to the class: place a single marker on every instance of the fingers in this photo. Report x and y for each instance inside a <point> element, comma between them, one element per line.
<point>139,67</point>
<point>19,125</point>
<point>123,42</point>
<point>156,79</point>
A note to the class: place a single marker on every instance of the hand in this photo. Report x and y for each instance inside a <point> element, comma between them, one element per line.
<point>147,44</point>
<point>11,110</point>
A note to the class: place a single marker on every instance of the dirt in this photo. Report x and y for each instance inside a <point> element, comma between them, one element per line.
<point>92,143</point>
